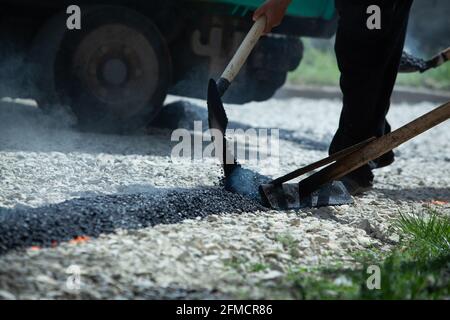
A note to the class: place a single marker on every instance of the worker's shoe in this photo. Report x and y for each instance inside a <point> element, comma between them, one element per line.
<point>385,160</point>
<point>358,181</point>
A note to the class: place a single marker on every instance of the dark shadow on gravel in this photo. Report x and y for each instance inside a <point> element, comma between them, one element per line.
<point>422,194</point>
<point>167,293</point>
<point>182,114</point>
<point>27,128</point>
<point>24,127</point>
<point>14,283</point>
<point>21,228</point>
<point>326,213</point>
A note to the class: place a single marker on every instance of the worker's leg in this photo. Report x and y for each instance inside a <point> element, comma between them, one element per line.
<point>391,72</point>
<point>367,61</point>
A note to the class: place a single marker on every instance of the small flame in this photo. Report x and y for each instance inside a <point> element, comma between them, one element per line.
<point>79,239</point>
<point>439,202</point>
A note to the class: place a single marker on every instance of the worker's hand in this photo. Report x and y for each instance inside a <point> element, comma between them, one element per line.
<point>274,10</point>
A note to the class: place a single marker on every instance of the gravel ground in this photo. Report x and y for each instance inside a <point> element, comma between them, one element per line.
<point>138,224</point>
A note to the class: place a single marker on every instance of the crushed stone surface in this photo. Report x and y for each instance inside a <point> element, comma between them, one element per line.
<point>159,227</point>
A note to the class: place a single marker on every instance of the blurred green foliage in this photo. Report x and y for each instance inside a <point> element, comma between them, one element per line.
<point>319,68</point>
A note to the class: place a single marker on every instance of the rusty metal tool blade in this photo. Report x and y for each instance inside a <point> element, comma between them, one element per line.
<point>286,196</point>
<point>278,195</point>
<point>375,149</point>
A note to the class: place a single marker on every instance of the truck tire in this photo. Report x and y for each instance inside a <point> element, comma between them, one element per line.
<point>266,70</point>
<point>114,72</point>
<point>254,84</point>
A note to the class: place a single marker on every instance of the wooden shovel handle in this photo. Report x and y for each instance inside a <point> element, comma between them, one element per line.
<point>446,54</point>
<point>439,59</point>
<point>334,157</point>
<point>374,149</point>
<point>244,49</point>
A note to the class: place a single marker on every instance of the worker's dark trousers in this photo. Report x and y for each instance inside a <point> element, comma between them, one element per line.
<point>368,61</point>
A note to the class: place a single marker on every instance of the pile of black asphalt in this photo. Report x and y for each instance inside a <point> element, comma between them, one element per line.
<point>92,216</point>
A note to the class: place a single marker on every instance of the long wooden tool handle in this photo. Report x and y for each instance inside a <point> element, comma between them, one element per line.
<point>374,149</point>
<point>334,157</point>
<point>439,59</point>
<point>244,50</point>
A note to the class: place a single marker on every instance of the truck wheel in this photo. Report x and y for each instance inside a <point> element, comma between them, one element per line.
<point>266,70</point>
<point>114,73</point>
<point>254,84</point>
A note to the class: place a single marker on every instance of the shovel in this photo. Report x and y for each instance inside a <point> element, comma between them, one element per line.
<point>244,181</point>
<point>217,117</point>
<point>409,63</point>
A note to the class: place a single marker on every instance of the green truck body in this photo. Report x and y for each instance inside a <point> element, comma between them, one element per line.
<point>300,8</point>
<point>129,54</point>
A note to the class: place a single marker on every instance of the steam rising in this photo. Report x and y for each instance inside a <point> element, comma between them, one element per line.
<point>429,29</point>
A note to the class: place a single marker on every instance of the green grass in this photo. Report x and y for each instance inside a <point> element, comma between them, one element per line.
<point>438,78</point>
<point>289,243</point>
<point>287,240</point>
<point>319,67</point>
<point>236,263</point>
<point>432,232</point>
<point>418,268</point>
<point>258,267</point>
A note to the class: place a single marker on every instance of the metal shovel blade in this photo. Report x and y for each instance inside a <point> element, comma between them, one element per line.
<point>286,196</point>
<point>216,113</point>
<point>218,120</point>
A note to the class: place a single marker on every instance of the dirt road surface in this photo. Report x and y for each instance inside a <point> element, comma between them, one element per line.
<point>86,215</point>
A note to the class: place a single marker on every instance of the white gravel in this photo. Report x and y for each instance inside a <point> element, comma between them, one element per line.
<point>43,161</point>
